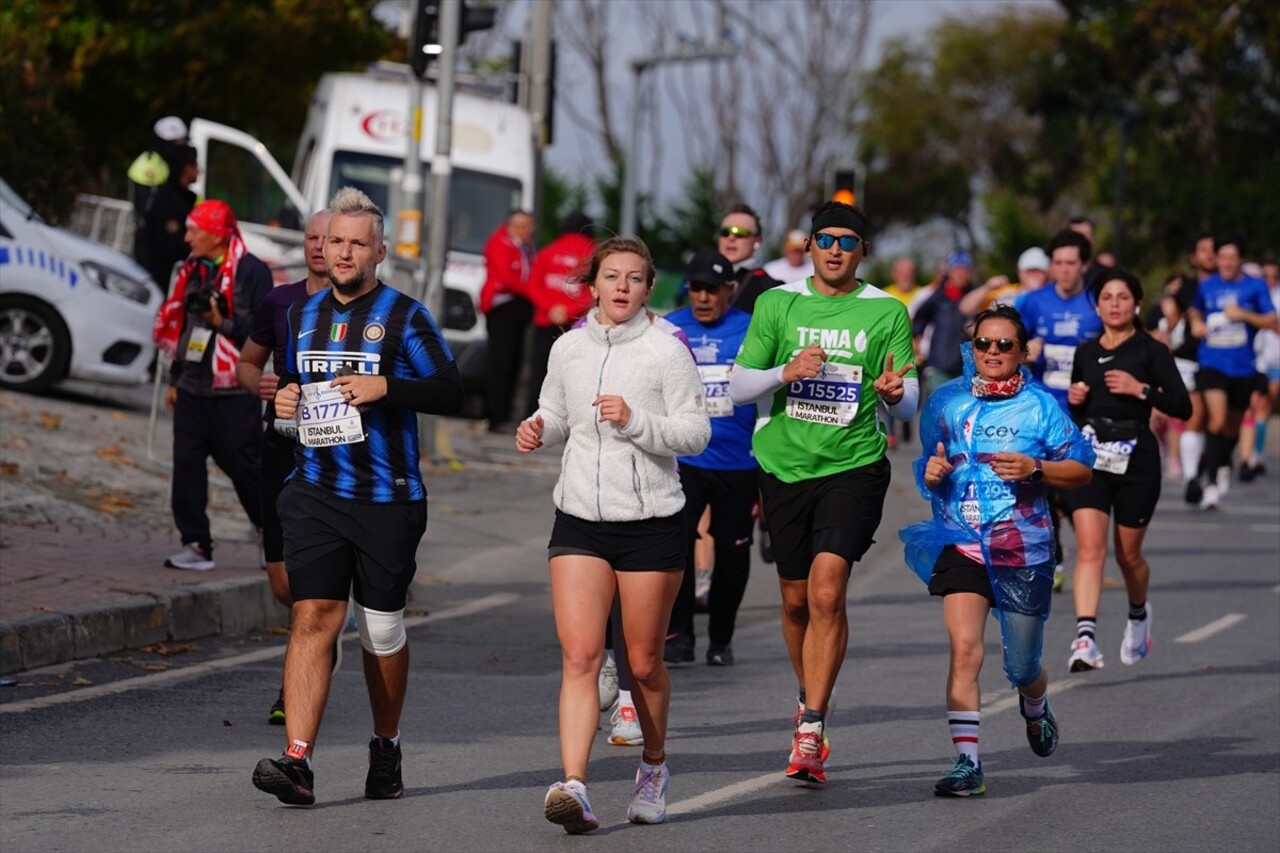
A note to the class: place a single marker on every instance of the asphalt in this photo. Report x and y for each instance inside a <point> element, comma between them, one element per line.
<point>76,585</point>
<point>80,584</point>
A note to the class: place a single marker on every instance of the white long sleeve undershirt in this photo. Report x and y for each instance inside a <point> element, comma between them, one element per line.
<point>748,384</point>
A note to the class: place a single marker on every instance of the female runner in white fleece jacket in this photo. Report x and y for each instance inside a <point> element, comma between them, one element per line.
<point>626,400</point>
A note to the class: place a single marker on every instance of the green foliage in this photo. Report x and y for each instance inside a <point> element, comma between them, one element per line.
<point>945,118</point>
<point>1022,110</point>
<point>560,197</point>
<point>34,123</point>
<point>1200,85</point>
<point>104,72</point>
<point>1012,229</point>
<point>690,225</point>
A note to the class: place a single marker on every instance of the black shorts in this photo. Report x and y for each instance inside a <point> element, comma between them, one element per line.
<point>648,545</point>
<point>732,496</point>
<point>332,545</point>
<point>1239,388</point>
<point>954,572</point>
<point>1130,497</point>
<point>838,514</point>
<point>277,464</point>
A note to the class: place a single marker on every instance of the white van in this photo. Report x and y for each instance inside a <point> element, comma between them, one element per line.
<point>69,307</point>
<point>356,134</point>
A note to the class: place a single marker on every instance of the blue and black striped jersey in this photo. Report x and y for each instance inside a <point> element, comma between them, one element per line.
<point>384,333</point>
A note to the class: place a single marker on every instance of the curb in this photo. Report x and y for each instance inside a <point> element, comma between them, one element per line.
<point>229,607</point>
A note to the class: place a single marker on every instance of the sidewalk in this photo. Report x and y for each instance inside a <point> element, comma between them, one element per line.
<point>86,529</point>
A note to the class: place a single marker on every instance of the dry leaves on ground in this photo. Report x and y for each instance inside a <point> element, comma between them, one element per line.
<point>167,650</point>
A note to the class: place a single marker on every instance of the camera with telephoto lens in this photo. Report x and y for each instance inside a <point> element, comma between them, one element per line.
<point>198,301</point>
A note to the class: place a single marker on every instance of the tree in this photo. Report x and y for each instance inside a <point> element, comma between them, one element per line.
<point>764,126</point>
<point>35,127</point>
<point>248,64</point>
<point>947,119</point>
<point>1197,85</point>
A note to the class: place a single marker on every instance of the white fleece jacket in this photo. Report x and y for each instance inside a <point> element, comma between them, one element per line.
<point>612,473</point>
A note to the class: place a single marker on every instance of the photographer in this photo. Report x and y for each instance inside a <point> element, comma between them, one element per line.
<point>202,327</point>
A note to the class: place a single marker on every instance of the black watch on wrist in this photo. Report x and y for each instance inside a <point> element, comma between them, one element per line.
<point>1037,475</point>
<point>1146,392</point>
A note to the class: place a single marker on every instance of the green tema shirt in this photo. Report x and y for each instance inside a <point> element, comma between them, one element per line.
<point>828,424</point>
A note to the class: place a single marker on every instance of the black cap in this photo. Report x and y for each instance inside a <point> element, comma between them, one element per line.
<point>710,267</point>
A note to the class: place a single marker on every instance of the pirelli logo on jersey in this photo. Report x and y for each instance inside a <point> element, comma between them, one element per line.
<point>322,362</point>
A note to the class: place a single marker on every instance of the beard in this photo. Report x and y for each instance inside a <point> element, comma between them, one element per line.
<point>352,285</point>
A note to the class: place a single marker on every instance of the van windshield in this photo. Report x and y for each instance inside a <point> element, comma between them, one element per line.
<point>477,201</point>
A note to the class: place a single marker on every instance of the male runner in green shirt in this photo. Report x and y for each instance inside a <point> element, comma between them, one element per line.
<point>824,475</point>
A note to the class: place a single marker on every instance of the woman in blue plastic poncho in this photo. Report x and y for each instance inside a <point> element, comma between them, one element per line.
<point>993,441</point>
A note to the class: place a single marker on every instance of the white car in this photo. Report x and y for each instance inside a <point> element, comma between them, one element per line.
<point>69,307</point>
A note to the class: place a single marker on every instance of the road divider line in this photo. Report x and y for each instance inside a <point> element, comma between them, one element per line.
<point>747,787</point>
<point>729,792</point>
<point>1214,627</point>
<point>172,676</point>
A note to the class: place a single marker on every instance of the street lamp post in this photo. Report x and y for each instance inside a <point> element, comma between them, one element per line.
<point>638,68</point>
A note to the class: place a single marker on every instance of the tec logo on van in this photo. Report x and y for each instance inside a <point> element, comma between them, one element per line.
<point>384,125</point>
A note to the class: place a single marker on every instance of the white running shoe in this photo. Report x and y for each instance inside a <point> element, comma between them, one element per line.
<point>191,558</point>
<point>566,805</point>
<point>608,683</point>
<point>649,796</point>
<point>1210,497</point>
<point>1136,644</point>
<point>626,726</point>
<point>1084,655</point>
<point>1224,481</point>
<point>702,586</point>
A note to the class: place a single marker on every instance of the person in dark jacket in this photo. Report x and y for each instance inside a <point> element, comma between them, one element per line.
<point>160,239</point>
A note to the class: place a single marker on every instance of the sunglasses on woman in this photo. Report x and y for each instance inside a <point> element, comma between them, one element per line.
<point>1005,345</point>
<point>847,243</point>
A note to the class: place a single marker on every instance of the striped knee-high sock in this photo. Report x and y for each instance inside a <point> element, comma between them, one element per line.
<point>964,733</point>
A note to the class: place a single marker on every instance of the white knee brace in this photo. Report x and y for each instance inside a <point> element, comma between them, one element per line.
<point>381,633</point>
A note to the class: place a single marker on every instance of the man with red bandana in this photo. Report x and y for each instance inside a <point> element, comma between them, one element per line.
<point>202,328</point>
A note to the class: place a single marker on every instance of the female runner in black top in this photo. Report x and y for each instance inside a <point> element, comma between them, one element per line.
<point>1117,379</point>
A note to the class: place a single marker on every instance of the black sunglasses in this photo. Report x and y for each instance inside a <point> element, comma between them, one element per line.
<point>699,286</point>
<point>847,243</point>
<point>1005,345</point>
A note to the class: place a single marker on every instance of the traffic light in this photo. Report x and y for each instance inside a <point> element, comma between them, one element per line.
<point>426,29</point>
<point>841,185</point>
<point>426,36</point>
<point>475,18</point>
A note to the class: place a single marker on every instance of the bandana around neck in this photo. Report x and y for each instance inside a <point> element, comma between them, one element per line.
<point>997,388</point>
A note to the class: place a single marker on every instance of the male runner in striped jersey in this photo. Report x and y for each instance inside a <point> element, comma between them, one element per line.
<point>362,361</point>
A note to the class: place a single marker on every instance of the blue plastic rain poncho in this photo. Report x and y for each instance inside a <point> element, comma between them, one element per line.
<point>1008,522</point>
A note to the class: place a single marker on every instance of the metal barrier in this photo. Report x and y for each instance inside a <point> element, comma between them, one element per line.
<point>105,220</point>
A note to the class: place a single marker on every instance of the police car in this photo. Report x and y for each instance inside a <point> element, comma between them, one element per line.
<point>69,307</point>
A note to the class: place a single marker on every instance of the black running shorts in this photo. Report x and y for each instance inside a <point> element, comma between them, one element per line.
<point>954,572</point>
<point>838,513</point>
<point>332,545</point>
<point>277,463</point>
<point>1239,389</point>
<point>648,545</point>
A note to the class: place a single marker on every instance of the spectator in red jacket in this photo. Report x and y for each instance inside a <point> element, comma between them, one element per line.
<point>508,257</point>
<point>558,294</point>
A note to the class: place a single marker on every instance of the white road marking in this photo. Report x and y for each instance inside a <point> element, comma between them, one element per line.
<point>759,783</point>
<point>489,602</point>
<point>1214,627</point>
<point>1264,528</point>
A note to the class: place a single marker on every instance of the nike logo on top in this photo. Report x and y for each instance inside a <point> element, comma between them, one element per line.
<point>302,335</point>
<point>1105,359</point>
